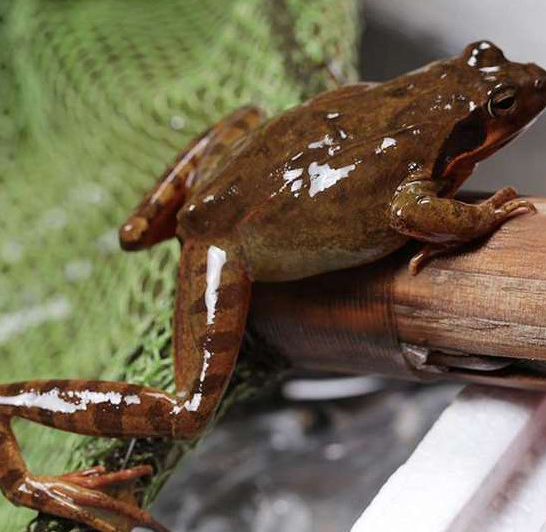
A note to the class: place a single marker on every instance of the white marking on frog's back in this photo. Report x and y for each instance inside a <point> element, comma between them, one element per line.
<point>292,174</point>
<point>388,142</point>
<point>323,176</point>
<point>327,140</point>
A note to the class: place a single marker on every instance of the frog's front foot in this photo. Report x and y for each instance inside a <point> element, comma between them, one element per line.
<point>78,496</point>
<point>500,207</point>
<point>507,205</point>
<point>444,223</point>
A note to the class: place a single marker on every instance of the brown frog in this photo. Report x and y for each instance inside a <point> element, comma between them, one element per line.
<point>339,181</point>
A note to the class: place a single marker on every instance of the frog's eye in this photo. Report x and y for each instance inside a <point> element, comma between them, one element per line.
<point>502,101</point>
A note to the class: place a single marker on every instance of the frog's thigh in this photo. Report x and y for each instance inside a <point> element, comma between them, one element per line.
<point>154,220</point>
<point>211,309</point>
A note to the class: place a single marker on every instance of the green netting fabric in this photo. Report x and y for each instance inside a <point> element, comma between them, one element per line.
<point>96,96</point>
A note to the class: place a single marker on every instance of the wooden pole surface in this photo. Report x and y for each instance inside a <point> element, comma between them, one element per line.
<point>488,301</point>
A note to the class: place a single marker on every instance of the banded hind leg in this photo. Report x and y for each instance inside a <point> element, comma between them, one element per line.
<point>210,316</point>
<point>154,220</point>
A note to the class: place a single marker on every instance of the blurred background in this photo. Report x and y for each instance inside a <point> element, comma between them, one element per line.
<point>96,97</point>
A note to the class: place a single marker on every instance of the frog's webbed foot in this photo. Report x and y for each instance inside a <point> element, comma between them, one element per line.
<point>66,496</point>
<point>507,205</point>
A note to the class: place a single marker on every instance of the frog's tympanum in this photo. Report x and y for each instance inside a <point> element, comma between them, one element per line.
<point>342,180</point>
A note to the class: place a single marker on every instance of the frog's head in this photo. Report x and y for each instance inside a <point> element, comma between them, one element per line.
<point>492,100</point>
<point>506,96</point>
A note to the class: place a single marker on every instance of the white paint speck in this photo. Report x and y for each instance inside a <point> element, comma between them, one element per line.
<point>296,185</point>
<point>473,60</point>
<point>292,174</point>
<point>55,400</point>
<point>49,400</point>
<point>332,115</point>
<point>216,258</point>
<point>472,106</point>
<point>193,404</point>
<point>323,176</point>
<point>325,141</point>
<point>342,134</point>
<point>206,365</point>
<point>131,400</point>
<point>387,143</point>
<point>210,197</point>
<point>297,156</point>
<point>490,69</point>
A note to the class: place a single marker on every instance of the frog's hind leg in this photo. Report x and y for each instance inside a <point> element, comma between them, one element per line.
<point>211,309</point>
<point>154,220</point>
<point>210,316</point>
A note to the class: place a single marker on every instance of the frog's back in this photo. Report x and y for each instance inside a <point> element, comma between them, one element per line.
<point>267,165</point>
<point>317,179</point>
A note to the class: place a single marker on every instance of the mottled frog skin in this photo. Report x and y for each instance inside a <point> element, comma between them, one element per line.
<point>339,181</point>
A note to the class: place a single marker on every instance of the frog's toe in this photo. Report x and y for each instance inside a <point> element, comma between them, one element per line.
<point>420,258</point>
<point>513,208</point>
<point>502,196</point>
<point>98,477</point>
<point>426,253</point>
<point>416,263</point>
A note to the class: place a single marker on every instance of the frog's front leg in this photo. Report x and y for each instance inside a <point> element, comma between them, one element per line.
<point>445,223</point>
<point>211,311</point>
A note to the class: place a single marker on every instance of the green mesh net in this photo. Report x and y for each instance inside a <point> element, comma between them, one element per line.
<point>96,97</point>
